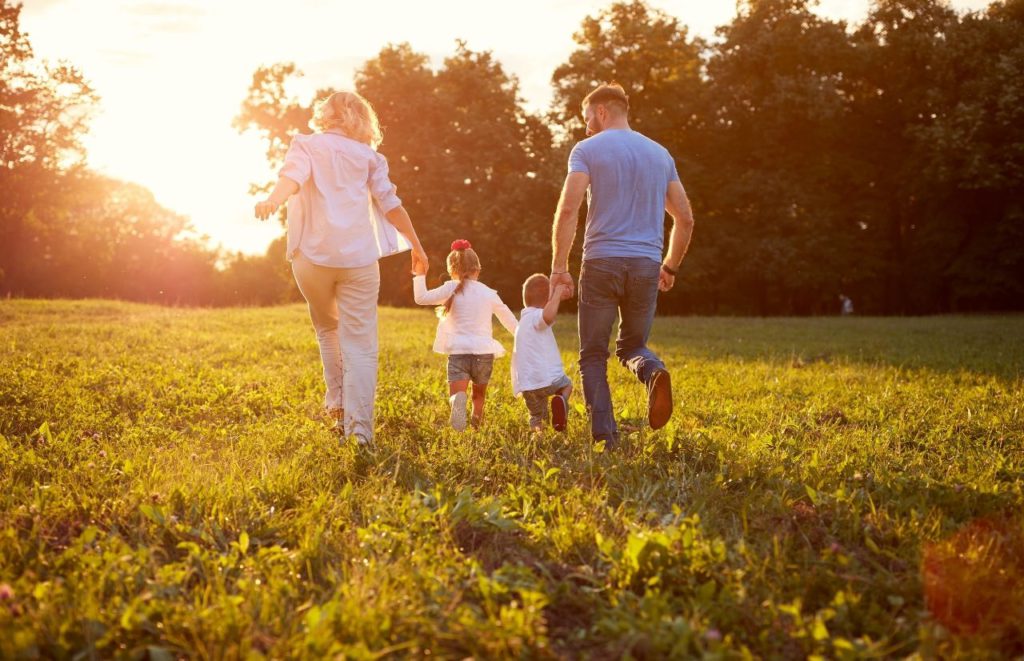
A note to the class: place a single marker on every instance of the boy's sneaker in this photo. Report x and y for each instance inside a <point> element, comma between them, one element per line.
<point>659,399</point>
<point>559,412</point>
<point>458,415</point>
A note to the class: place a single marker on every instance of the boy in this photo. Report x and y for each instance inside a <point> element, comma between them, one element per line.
<point>537,371</point>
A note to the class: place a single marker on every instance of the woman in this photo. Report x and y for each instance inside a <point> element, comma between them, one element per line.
<point>343,214</point>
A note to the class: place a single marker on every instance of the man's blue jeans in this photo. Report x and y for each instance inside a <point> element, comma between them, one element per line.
<point>627,288</point>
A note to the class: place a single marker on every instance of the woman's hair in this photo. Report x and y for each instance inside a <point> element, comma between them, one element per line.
<point>351,114</point>
<point>462,263</point>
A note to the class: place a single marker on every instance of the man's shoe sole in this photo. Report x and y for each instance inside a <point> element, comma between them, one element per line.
<point>659,405</point>
<point>559,412</point>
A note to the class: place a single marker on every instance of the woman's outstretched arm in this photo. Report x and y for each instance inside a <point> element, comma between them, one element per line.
<point>284,189</point>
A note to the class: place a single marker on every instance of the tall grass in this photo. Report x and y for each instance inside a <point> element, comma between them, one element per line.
<point>834,487</point>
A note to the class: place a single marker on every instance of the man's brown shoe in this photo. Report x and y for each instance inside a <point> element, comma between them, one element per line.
<point>659,399</point>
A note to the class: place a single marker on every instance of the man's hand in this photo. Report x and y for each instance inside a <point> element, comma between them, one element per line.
<point>562,292</point>
<point>563,280</point>
<point>266,208</point>
<point>665,280</point>
<point>420,263</point>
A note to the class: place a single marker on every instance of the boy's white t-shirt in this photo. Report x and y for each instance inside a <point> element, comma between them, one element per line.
<point>536,362</point>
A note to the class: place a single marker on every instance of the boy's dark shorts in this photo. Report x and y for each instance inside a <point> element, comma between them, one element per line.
<point>537,400</point>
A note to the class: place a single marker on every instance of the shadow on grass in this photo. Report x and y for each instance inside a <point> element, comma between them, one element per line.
<point>992,345</point>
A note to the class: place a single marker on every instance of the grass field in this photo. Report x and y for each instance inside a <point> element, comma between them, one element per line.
<point>838,487</point>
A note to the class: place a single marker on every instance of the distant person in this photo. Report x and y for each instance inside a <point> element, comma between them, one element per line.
<point>343,215</point>
<point>537,371</point>
<point>464,328</point>
<point>632,181</point>
<point>845,305</point>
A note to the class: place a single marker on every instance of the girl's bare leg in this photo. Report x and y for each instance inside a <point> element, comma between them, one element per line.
<point>479,395</point>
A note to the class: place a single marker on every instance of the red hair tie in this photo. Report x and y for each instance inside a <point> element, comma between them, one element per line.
<point>461,244</point>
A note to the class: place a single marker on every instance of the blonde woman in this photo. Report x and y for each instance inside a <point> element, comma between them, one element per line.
<point>464,328</point>
<point>343,215</point>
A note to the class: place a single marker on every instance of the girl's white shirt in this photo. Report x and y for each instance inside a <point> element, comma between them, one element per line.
<point>467,326</point>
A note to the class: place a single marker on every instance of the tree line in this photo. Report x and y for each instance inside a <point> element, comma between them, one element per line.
<point>883,161</point>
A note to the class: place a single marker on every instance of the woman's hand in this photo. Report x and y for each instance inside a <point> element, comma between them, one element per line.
<point>420,263</point>
<point>266,208</point>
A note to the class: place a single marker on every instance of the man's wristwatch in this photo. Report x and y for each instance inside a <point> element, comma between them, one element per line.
<point>672,272</point>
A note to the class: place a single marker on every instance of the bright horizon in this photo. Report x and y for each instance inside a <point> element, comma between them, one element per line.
<point>171,75</point>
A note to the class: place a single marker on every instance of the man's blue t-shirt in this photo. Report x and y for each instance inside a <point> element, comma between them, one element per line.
<point>629,176</point>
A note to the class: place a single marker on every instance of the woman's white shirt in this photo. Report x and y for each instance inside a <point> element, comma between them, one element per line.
<point>467,326</point>
<point>337,217</point>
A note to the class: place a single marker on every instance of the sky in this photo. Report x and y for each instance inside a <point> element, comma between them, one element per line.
<point>171,75</point>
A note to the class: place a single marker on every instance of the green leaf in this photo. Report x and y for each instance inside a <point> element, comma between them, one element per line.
<point>153,513</point>
<point>820,631</point>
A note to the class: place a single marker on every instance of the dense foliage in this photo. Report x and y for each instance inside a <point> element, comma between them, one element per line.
<point>883,161</point>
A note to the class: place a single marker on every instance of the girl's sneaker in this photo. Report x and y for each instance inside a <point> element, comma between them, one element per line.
<point>559,412</point>
<point>458,415</point>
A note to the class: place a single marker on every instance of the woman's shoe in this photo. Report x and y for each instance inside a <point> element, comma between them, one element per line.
<point>336,418</point>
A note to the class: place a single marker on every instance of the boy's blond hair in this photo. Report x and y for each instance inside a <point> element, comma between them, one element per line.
<point>536,290</point>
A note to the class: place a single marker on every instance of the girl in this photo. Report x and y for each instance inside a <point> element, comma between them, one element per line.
<point>464,328</point>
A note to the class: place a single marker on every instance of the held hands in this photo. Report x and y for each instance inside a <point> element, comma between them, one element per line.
<point>420,263</point>
<point>561,292</point>
<point>266,208</point>
<point>564,281</point>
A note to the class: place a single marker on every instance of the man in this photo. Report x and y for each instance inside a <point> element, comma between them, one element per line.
<point>632,181</point>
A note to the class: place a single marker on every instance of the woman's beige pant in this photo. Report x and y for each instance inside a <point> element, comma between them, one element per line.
<point>343,309</point>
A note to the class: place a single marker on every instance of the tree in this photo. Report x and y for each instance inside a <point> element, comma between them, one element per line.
<point>647,51</point>
<point>468,160</point>
<point>970,160</point>
<point>651,54</point>
<point>472,162</point>
<point>777,170</point>
<point>43,114</point>
<point>274,113</point>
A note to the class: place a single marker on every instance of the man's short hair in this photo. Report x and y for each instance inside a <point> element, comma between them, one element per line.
<point>608,94</point>
<point>535,290</point>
